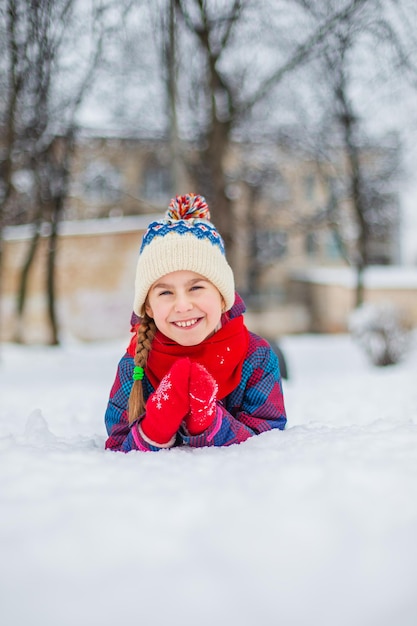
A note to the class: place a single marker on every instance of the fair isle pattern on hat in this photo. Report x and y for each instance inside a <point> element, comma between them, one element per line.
<point>184,240</point>
<point>185,213</point>
<point>200,229</point>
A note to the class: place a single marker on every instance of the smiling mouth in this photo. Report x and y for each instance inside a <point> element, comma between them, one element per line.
<point>186,324</point>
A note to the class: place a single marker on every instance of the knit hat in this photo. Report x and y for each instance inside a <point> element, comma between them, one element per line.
<point>184,240</point>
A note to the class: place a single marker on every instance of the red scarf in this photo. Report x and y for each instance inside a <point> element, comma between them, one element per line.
<point>222,355</point>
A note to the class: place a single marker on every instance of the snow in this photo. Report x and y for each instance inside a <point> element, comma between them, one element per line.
<point>88,227</point>
<point>375,277</point>
<point>313,525</point>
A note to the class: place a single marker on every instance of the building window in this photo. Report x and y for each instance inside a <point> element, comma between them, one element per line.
<point>102,183</point>
<point>309,187</point>
<point>332,249</point>
<point>311,245</point>
<point>276,188</point>
<point>271,245</point>
<point>157,183</point>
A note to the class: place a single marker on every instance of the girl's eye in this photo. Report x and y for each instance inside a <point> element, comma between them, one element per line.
<point>165,293</point>
<point>194,287</point>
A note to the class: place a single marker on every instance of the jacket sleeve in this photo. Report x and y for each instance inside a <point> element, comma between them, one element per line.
<point>123,436</point>
<point>255,406</point>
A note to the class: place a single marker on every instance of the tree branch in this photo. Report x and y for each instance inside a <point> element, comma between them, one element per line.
<point>302,53</point>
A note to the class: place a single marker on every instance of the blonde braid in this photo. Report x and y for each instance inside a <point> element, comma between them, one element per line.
<point>146,333</point>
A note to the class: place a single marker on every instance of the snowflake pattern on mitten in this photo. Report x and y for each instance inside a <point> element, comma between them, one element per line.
<point>168,405</point>
<point>161,394</point>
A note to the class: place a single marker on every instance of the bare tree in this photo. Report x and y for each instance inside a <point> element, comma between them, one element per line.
<point>367,170</point>
<point>14,70</point>
<point>213,86</point>
<point>225,92</point>
<point>47,83</point>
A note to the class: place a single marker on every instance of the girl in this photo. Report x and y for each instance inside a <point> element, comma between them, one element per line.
<point>192,375</point>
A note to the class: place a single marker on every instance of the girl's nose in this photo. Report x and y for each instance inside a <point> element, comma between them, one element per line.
<point>182,303</point>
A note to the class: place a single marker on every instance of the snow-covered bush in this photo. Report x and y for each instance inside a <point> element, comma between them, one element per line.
<point>381,331</point>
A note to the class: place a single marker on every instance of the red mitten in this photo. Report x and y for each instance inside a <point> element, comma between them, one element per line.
<point>168,405</point>
<point>203,396</point>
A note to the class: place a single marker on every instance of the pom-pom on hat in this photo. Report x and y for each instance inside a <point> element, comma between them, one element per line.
<point>184,240</point>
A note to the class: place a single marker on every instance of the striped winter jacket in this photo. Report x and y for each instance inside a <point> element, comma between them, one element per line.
<point>253,407</point>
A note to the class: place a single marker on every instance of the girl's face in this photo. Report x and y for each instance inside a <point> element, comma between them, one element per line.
<point>185,306</point>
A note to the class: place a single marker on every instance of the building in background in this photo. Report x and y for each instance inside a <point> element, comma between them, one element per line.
<point>292,214</point>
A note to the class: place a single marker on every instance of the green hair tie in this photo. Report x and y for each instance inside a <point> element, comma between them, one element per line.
<point>138,373</point>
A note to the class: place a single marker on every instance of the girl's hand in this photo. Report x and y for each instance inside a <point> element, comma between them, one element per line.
<point>203,396</point>
<point>168,405</point>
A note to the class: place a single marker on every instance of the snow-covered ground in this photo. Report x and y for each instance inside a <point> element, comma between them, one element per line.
<point>313,525</point>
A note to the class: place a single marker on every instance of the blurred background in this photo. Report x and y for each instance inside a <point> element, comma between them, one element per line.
<point>295,119</point>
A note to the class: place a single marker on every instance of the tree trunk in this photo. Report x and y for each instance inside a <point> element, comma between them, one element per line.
<point>23,284</point>
<point>361,261</point>
<point>51,283</point>
<point>59,157</point>
<point>177,159</point>
<point>13,89</point>
<point>360,286</point>
<point>220,204</point>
